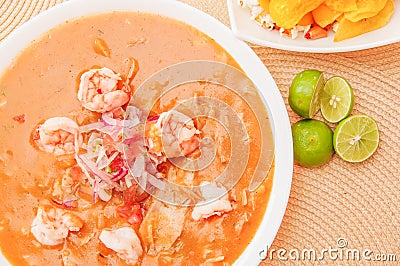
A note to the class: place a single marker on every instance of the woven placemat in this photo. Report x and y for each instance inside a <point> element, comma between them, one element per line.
<point>356,203</point>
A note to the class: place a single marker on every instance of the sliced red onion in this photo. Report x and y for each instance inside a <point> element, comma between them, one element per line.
<point>119,147</point>
<point>131,132</point>
<point>128,180</point>
<point>84,170</point>
<point>90,127</point>
<point>133,138</point>
<point>108,120</point>
<point>121,174</point>
<point>104,195</point>
<point>133,113</point>
<point>131,122</point>
<point>106,161</point>
<point>155,182</point>
<point>137,168</point>
<point>91,166</point>
<point>142,181</point>
<point>69,204</point>
<point>101,156</point>
<point>153,118</point>
<point>95,191</point>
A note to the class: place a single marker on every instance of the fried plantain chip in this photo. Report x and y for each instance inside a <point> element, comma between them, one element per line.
<point>348,29</point>
<point>323,15</point>
<point>264,4</point>
<point>341,5</point>
<point>286,13</point>
<point>365,9</point>
<point>306,20</point>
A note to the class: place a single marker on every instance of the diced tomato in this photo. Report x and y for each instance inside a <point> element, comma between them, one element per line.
<point>136,218</point>
<point>133,213</point>
<point>117,164</point>
<point>19,118</point>
<point>76,173</point>
<point>132,209</point>
<point>163,167</point>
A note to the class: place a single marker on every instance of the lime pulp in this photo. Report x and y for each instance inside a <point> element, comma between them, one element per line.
<point>356,138</point>
<point>337,99</point>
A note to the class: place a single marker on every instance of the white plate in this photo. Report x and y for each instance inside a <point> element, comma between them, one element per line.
<point>247,59</point>
<point>248,30</point>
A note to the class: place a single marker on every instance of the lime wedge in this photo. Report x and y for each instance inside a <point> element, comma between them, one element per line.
<point>304,92</point>
<point>337,99</point>
<point>356,138</point>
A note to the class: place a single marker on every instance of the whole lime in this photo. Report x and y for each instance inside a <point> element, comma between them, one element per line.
<point>304,92</point>
<point>312,142</point>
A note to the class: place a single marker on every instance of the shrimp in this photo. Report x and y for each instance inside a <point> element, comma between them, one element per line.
<point>58,135</point>
<point>216,207</point>
<point>51,225</point>
<point>124,241</point>
<point>172,135</point>
<point>101,90</point>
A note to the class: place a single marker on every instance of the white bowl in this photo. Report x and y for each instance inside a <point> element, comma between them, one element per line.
<point>246,58</point>
<point>246,29</point>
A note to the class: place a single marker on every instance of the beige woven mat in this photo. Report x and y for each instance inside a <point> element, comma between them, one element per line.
<point>359,203</point>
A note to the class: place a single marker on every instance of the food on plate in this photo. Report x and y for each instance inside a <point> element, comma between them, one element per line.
<point>82,170</point>
<point>312,142</point>
<point>365,9</point>
<point>356,138</point>
<point>348,29</point>
<point>304,92</point>
<point>324,16</point>
<point>315,19</point>
<point>342,5</point>
<point>287,14</point>
<point>337,99</point>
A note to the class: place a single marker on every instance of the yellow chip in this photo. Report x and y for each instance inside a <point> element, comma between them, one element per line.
<point>286,13</point>
<point>348,29</point>
<point>264,4</point>
<point>306,20</point>
<point>341,5</point>
<point>365,9</point>
<point>323,15</point>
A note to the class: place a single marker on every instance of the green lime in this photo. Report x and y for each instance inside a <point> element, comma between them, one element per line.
<point>356,138</point>
<point>312,142</point>
<point>304,92</point>
<point>337,99</point>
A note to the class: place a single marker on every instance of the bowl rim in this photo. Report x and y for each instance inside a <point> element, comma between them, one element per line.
<point>250,63</point>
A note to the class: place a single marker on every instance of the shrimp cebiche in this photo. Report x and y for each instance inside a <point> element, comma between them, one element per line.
<point>58,135</point>
<point>101,90</point>
<point>51,225</point>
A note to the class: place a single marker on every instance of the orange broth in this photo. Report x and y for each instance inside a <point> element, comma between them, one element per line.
<point>42,83</point>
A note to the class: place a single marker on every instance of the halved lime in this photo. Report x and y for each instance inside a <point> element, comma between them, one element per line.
<point>304,92</point>
<point>337,99</point>
<point>356,138</point>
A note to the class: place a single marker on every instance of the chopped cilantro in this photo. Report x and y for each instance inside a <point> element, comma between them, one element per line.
<point>109,170</point>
